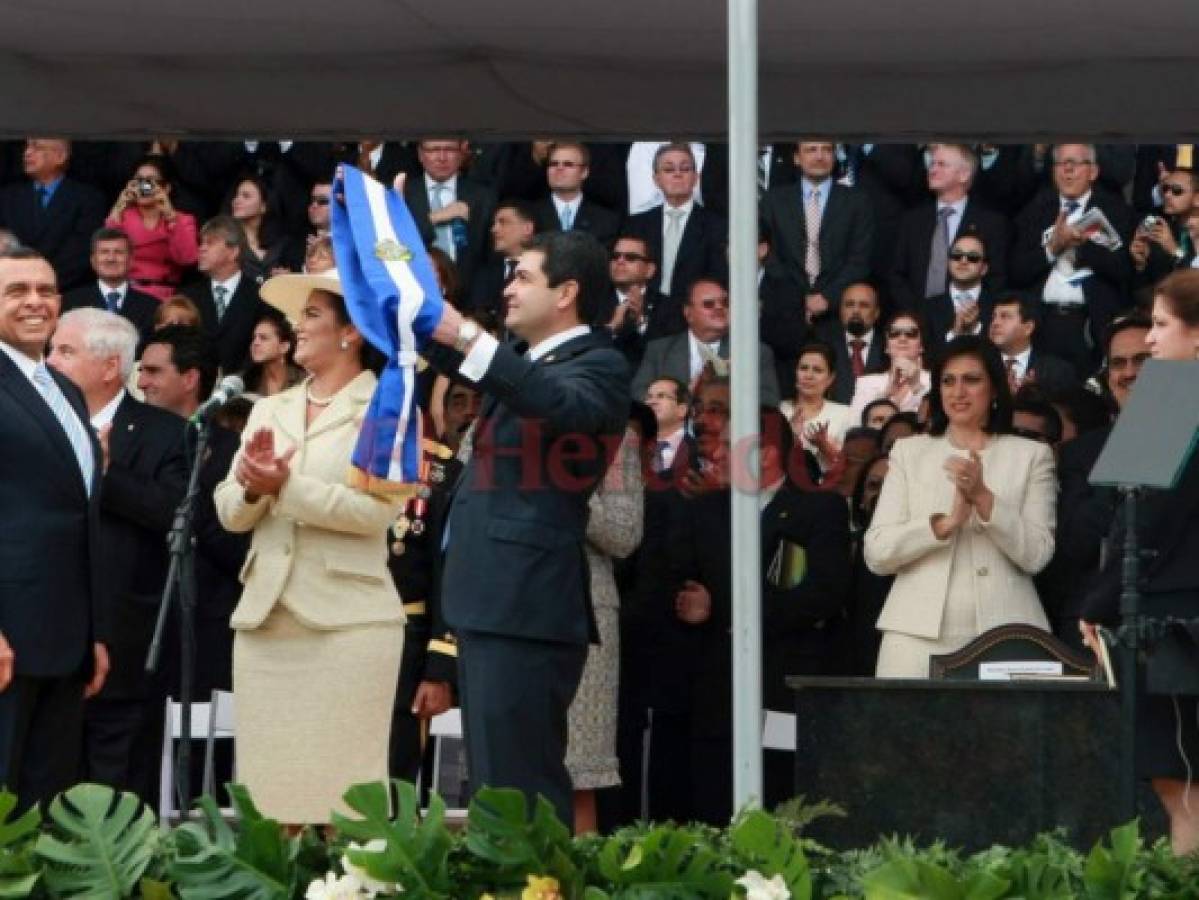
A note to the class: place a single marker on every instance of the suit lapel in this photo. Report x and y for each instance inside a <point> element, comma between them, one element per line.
<point>289,415</point>
<point>348,405</point>
<point>123,438</point>
<point>27,396</point>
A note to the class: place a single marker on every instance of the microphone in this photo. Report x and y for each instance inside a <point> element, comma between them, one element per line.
<point>230,386</point>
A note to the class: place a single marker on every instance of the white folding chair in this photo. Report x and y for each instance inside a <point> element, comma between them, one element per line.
<point>220,728</point>
<point>173,731</point>
<point>444,728</point>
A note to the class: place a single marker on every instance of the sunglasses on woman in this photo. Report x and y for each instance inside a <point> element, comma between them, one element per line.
<point>895,333</point>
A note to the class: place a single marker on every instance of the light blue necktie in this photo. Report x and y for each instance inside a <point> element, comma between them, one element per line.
<point>113,300</point>
<point>444,233</point>
<point>70,422</point>
<point>568,218</point>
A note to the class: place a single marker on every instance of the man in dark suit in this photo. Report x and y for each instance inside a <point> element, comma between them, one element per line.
<point>1013,323</point>
<point>1081,283</point>
<point>776,169</point>
<point>1153,163</point>
<point>859,346</point>
<point>918,272</point>
<point>966,307</point>
<point>145,475</point>
<point>53,626</point>
<point>452,212</point>
<point>687,240</point>
<point>640,313</point>
<point>226,296</point>
<point>567,207</point>
<point>683,356</point>
<point>177,372</point>
<point>52,213</point>
<point>802,607</point>
<point>111,257</point>
<point>821,232</point>
<point>1163,244</point>
<point>783,320</point>
<point>512,228</point>
<point>515,588</point>
<point>892,176</point>
<point>381,160</point>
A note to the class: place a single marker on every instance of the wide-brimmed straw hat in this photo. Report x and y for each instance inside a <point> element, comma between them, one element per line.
<point>289,292</point>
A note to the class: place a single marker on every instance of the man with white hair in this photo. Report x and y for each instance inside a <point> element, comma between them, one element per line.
<point>145,475</point>
<point>921,267</point>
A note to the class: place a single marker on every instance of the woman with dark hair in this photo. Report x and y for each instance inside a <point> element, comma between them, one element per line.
<point>253,206</point>
<point>319,626</point>
<point>965,518</point>
<point>163,238</point>
<point>272,347</point>
<point>819,423</point>
<point>906,381</point>
<point>1167,733</point>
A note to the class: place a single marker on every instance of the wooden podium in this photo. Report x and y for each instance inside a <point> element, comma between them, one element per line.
<point>971,762</point>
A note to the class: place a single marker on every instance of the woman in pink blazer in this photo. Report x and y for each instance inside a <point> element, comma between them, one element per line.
<point>906,381</point>
<point>164,239</point>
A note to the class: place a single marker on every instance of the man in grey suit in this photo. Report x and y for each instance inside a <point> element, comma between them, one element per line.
<point>682,356</point>
<point>821,232</point>
<point>515,587</point>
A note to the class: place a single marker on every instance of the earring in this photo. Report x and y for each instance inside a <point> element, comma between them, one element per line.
<point>345,345</point>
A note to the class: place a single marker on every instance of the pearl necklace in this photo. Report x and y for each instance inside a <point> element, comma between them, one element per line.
<point>317,401</point>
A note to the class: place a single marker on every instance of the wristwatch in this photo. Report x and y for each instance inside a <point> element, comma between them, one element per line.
<point>467,332</point>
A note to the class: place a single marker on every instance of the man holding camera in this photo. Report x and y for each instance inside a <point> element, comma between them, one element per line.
<point>1162,243</point>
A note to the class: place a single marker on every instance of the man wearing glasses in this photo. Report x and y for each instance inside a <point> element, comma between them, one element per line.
<point>1082,283</point>
<point>1162,243</point>
<point>966,307</point>
<point>642,314</point>
<point>686,239</point>
<point>683,356</point>
<point>566,209</point>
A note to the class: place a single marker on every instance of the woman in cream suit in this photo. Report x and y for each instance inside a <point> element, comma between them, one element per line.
<point>965,518</point>
<point>906,381</point>
<point>319,628</point>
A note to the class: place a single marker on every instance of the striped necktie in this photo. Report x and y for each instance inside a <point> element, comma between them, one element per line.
<point>71,424</point>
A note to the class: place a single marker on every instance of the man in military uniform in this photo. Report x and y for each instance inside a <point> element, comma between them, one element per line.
<point>429,666</point>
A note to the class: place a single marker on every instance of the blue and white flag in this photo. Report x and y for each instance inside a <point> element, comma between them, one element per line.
<point>392,296</point>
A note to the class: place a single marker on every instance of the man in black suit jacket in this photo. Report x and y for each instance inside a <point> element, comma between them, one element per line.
<point>515,588</point>
<point>451,211</point>
<point>821,232</point>
<point>950,176</point>
<point>1082,284</point>
<point>892,176</point>
<point>640,314</point>
<point>52,607</point>
<point>776,169</point>
<point>1013,323</point>
<point>512,229</point>
<point>803,607</point>
<point>853,332</point>
<point>227,297</point>
<point>701,236</point>
<point>966,307</point>
<point>52,213</point>
<point>567,207</point>
<point>145,474</point>
<point>111,256</point>
<point>381,160</point>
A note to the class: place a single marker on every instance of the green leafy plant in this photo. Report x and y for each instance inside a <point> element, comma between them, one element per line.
<point>415,852</point>
<point>501,833</point>
<point>1112,873</point>
<point>799,814</point>
<point>18,871</point>
<point>768,845</point>
<point>665,862</point>
<point>255,862</point>
<point>99,843</point>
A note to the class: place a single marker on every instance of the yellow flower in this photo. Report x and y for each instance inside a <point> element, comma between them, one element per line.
<point>541,889</point>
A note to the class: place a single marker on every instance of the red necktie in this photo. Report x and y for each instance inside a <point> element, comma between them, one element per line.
<point>856,359</point>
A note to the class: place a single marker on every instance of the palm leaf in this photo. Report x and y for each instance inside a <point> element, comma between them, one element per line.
<point>99,843</point>
<point>18,874</point>
<point>212,861</point>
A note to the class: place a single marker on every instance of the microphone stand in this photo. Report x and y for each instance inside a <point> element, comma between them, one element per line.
<point>181,583</point>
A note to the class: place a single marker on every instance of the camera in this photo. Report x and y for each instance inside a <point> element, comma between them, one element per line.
<point>1150,223</point>
<point>146,187</point>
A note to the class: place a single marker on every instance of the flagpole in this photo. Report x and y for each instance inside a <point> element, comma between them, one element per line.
<point>743,351</point>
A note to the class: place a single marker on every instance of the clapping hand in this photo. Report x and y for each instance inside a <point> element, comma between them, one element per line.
<point>1064,236</point>
<point>259,470</point>
<point>817,434</point>
<point>1139,250</point>
<point>966,475</point>
<point>966,318</point>
<point>693,603</point>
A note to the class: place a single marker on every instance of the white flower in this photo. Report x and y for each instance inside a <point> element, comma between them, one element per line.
<point>371,886</point>
<point>758,888</point>
<point>334,888</point>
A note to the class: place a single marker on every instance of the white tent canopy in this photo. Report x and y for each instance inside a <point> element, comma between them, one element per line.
<point>917,69</point>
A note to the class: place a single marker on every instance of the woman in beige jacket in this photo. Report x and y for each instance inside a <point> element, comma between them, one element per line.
<point>965,518</point>
<point>319,628</point>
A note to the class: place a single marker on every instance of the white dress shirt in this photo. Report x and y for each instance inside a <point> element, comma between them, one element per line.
<point>1020,371</point>
<point>476,362</point>
<point>106,289</point>
<point>105,415</point>
<point>561,206</point>
<point>697,357</point>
